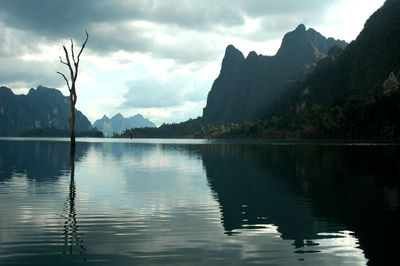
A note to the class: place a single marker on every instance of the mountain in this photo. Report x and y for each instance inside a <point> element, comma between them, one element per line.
<point>354,92</point>
<point>119,123</point>
<point>40,108</point>
<point>247,86</point>
<point>313,88</point>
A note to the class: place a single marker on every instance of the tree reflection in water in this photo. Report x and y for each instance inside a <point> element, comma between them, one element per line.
<point>72,237</point>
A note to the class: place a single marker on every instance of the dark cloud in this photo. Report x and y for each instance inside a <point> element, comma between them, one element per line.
<point>16,65</point>
<point>111,24</point>
<point>108,37</point>
<point>59,19</point>
<point>16,42</point>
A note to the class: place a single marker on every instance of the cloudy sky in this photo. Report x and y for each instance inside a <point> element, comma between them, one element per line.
<point>153,57</point>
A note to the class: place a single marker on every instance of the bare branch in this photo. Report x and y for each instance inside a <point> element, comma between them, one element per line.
<point>79,55</point>
<point>83,45</point>
<point>69,63</point>
<point>66,80</point>
<point>72,51</point>
<point>62,62</point>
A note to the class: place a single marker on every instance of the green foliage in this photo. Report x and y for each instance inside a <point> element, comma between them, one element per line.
<point>377,119</point>
<point>189,129</point>
<point>93,133</point>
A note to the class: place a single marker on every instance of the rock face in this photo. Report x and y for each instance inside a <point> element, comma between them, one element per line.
<point>247,86</point>
<point>392,83</point>
<point>118,123</point>
<point>365,69</point>
<point>40,108</point>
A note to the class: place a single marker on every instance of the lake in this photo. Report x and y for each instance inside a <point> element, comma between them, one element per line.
<point>198,202</point>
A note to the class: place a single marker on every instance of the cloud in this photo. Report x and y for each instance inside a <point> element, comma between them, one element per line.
<point>175,99</point>
<point>285,7</point>
<point>30,73</point>
<point>174,114</point>
<point>162,28</point>
<point>24,60</point>
<point>25,73</point>
<point>58,17</point>
<point>154,92</point>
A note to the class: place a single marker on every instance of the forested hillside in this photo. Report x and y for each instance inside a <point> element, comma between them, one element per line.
<point>353,93</point>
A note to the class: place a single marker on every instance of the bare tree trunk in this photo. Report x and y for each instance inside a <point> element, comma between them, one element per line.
<point>72,98</point>
<point>72,125</point>
<point>73,66</point>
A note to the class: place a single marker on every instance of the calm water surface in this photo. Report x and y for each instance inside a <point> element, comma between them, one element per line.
<point>198,202</point>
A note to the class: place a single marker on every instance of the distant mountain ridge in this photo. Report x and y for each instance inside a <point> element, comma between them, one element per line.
<point>40,108</point>
<point>118,123</point>
<point>247,86</point>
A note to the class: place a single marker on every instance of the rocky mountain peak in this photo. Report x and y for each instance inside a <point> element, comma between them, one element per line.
<point>42,91</point>
<point>4,91</point>
<point>293,42</point>
<point>117,117</point>
<point>233,59</point>
<point>251,56</point>
<point>300,28</point>
<point>246,86</point>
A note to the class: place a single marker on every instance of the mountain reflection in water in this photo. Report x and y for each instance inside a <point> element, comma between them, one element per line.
<point>203,202</point>
<point>310,192</point>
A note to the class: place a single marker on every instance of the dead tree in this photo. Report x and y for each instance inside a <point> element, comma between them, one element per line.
<point>73,65</point>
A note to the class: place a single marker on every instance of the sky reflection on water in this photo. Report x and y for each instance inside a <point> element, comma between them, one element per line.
<point>181,202</point>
